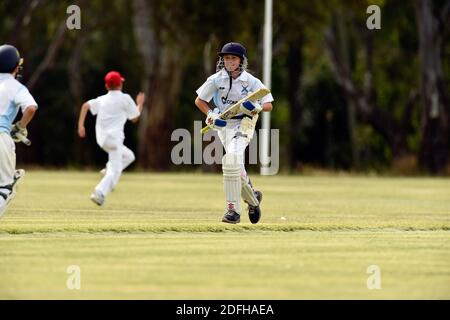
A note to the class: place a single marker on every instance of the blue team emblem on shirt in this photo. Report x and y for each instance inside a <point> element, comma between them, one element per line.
<point>244,90</point>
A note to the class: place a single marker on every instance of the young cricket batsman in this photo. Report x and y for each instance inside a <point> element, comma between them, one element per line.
<point>226,87</point>
<point>112,110</point>
<point>13,96</point>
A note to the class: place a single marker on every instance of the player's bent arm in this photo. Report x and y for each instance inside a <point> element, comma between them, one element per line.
<point>202,105</point>
<point>140,100</point>
<point>84,110</point>
<point>27,115</point>
<point>267,106</point>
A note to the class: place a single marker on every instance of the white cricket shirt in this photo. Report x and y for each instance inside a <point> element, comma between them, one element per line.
<point>112,110</point>
<point>217,88</point>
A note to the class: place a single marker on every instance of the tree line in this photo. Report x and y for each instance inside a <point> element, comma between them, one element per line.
<point>346,97</point>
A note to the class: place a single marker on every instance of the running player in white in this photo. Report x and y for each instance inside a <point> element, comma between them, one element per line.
<point>13,96</point>
<point>227,86</point>
<point>112,110</point>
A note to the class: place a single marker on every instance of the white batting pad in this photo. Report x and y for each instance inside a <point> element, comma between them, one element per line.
<point>232,181</point>
<point>248,194</point>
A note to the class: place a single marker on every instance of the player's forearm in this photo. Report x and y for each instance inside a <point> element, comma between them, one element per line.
<point>27,116</point>
<point>202,105</point>
<point>140,100</point>
<point>140,108</point>
<point>83,113</point>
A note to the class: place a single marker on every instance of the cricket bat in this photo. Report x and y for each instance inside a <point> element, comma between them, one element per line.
<point>235,108</point>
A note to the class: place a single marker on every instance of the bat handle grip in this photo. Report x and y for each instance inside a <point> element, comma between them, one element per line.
<point>205,129</point>
<point>23,139</point>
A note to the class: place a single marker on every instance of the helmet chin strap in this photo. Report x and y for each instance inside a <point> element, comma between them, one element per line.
<point>230,74</point>
<point>238,69</point>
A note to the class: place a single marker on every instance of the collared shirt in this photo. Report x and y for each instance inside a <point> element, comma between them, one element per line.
<point>217,88</point>
<point>112,110</point>
<point>13,96</point>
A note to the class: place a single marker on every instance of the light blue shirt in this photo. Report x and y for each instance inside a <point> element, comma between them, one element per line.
<point>13,96</point>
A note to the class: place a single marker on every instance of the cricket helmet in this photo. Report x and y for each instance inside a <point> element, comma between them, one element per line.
<point>9,58</point>
<point>235,49</point>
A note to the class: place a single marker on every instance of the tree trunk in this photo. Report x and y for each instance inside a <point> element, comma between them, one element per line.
<point>165,89</point>
<point>342,32</point>
<point>81,154</point>
<point>382,121</point>
<point>434,151</point>
<point>295,63</point>
<point>162,66</point>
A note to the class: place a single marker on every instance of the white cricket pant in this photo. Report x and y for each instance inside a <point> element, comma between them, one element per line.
<point>235,142</point>
<point>119,157</point>
<point>7,167</point>
<point>7,159</point>
<point>232,144</point>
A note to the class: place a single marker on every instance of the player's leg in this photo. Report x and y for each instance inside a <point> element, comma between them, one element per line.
<point>251,196</point>
<point>237,146</point>
<point>231,167</point>
<point>7,169</point>
<point>127,158</point>
<point>113,171</point>
<point>248,192</point>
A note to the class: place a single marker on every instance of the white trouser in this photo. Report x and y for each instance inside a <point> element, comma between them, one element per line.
<point>119,157</point>
<point>7,159</point>
<point>7,168</point>
<point>235,137</point>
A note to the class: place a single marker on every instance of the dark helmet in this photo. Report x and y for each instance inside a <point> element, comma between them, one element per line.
<point>9,58</point>
<point>235,49</point>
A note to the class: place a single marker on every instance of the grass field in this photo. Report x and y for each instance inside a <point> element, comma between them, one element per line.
<point>159,236</point>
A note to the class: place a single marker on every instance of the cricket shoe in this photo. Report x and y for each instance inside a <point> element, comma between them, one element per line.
<point>7,193</point>
<point>254,213</point>
<point>98,198</point>
<point>231,217</point>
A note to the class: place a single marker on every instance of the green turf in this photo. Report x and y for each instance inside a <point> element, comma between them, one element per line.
<point>159,236</point>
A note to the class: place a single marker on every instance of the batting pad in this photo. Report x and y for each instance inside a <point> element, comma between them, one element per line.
<point>6,196</point>
<point>232,181</point>
<point>248,194</point>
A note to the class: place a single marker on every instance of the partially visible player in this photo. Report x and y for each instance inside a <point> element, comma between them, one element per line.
<point>226,87</point>
<point>13,96</point>
<point>112,110</point>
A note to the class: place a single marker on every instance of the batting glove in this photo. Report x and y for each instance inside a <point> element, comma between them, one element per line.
<point>251,108</point>
<point>213,120</point>
<point>17,129</point>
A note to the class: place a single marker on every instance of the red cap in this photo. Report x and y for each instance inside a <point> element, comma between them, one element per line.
<point>113,79</point>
